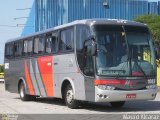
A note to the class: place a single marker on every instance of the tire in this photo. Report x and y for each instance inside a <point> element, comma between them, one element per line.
<point>69,98</point>
<point>117,104</point>
<point>22,93</point>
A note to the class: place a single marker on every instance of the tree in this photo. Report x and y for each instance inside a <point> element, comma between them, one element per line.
<point>1,68</point>
<point>153,22</point>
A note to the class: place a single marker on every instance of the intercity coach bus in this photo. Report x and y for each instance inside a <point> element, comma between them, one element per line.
<point>95,60</point>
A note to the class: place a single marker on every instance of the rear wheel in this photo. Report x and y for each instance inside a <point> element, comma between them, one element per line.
<point>22,93</point>
<point>117,104</point>
<point>69,97</point>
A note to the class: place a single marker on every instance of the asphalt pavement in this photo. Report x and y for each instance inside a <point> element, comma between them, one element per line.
<point>42,108</point>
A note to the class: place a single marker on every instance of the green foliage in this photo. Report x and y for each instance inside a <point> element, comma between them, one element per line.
<point>153,22</point>
<point>1,68</point>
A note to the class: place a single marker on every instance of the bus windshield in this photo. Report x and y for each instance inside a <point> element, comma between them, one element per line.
<point>124,51</point>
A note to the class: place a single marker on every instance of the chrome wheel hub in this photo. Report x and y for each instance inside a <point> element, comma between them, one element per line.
<point>70,96</point>
<point>21,92</point>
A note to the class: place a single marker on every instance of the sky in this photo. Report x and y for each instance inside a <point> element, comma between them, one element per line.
<point>7,14</point>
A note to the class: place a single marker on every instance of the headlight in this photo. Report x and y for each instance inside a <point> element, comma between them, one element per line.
<point>151,81</point>
<point>151,86</point>
<point>106,87</point>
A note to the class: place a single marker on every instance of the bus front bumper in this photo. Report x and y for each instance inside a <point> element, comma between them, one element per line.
<point>121,95</point>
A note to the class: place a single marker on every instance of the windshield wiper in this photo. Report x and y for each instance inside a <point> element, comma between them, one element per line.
<point>128,51</point>
<point>140,68</point>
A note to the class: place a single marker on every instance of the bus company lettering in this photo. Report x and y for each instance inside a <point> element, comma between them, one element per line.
<point>46,59</point>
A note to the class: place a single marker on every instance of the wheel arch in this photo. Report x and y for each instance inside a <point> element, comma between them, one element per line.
<point>64,83</point>
<point>21,79</point>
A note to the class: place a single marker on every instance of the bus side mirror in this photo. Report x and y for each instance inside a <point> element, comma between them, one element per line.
<point>90,42</point>
<point>94,48</point>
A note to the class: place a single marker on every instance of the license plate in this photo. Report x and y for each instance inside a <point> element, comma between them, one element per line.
<point>131,96</point>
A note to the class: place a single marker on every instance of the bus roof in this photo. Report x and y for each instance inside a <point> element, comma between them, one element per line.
<point>85,21</point>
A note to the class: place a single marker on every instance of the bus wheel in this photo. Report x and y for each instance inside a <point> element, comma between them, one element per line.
<point>69,97</point>
<point>117,104</point>
<point>22,93</point>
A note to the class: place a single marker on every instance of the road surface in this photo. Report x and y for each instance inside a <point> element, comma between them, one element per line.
<point>10,103</point>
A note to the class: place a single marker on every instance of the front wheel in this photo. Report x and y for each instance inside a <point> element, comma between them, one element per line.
<point>69,98</point>
<point>117,104</point>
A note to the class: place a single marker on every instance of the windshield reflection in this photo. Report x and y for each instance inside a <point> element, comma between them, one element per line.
<point>123,52</point>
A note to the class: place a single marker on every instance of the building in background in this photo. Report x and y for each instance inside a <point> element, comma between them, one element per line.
<point>30,24</point>
<point>49,13</point>
<point>158,7</point>
<point>152,8</point>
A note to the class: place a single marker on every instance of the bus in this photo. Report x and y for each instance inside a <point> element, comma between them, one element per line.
<point>93,60</point>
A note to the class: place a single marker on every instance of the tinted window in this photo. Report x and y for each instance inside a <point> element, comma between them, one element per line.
<point>9,50</point>
<point>55,42</point>
<point>82,34</point>
<point>28,47</point>
<point>25,47</point>
<point>88,62</point>
<point>66,40</point>
<point>51,43</point>
<point>36,40</point>
<point>17,49</point>
<point>39,45</point>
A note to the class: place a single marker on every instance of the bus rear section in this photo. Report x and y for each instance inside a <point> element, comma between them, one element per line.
<point>88,60</point>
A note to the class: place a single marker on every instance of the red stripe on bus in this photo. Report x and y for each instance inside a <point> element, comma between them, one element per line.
<point>28,79</point>
<point>109,82</point>
<point>45,66</point>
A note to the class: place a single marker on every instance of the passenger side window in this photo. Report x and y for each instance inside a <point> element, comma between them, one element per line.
<point>36,40</point>
<point>17,49</point>
<point>66,40</point>
<point>51,43</point>
<point>9,50</point>
<point>55,42</point>
<point>28,47</point>
<point>25,47</point>
<point>39,45</point>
